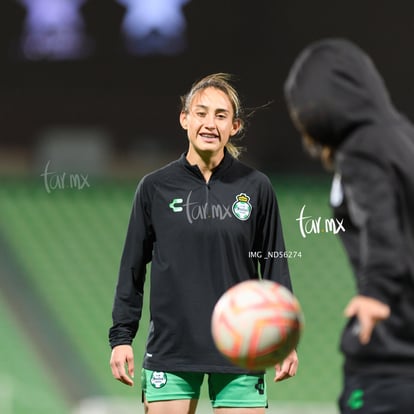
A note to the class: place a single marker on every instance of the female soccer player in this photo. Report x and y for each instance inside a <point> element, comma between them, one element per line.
<point>196,220</point>
<point>340,104</point>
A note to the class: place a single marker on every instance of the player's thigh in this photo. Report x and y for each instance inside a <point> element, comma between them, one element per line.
<point>171,407</point>
<point>170,392</point>
<point>234,410</point>
<point>237,393</point>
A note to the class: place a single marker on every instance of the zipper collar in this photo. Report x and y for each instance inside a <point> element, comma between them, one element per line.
<point>218,171</point>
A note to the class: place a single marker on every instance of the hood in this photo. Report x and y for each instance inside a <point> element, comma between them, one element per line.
<point>334,87</point>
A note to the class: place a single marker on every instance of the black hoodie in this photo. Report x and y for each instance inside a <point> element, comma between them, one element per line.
<point>340,100</point>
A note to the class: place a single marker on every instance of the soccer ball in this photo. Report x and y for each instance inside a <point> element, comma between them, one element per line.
<point>256,324</point>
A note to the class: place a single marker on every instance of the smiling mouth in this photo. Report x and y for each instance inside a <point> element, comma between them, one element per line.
<point>209,137</point>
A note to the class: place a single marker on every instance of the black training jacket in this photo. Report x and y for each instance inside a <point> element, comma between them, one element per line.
<point>340,99</point>
<point>201,239</point>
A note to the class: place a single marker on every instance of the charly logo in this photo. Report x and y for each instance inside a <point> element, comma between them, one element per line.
<point>260,386</point>
<point>356,399</point>
<point>175,205</point>
<point>241,207</point>
<point>158,379</point>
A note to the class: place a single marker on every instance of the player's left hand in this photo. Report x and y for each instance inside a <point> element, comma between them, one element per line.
<point>287,368</point>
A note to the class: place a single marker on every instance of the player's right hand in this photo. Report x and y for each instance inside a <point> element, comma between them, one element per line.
<point>123,356</point>
<point>369,312</point>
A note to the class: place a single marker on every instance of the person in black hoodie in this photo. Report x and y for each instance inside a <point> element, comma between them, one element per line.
<point>196,220</point>
<point>339,103</point>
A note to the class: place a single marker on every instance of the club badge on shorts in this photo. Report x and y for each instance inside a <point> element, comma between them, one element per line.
<point>158,379</point>
<point>241,207</point>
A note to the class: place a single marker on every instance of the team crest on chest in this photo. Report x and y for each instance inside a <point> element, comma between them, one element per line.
<point>241,207</point>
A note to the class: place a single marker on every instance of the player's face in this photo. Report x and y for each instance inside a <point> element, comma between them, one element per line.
<point>210,121</point>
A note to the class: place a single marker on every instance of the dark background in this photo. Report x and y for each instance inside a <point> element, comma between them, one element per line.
<point>136,98</point>
<point>115,113</point>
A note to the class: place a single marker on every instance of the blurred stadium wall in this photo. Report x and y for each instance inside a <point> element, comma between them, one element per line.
<point>87,106</point>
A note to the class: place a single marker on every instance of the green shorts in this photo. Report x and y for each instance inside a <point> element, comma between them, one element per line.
<point>225,390</point>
